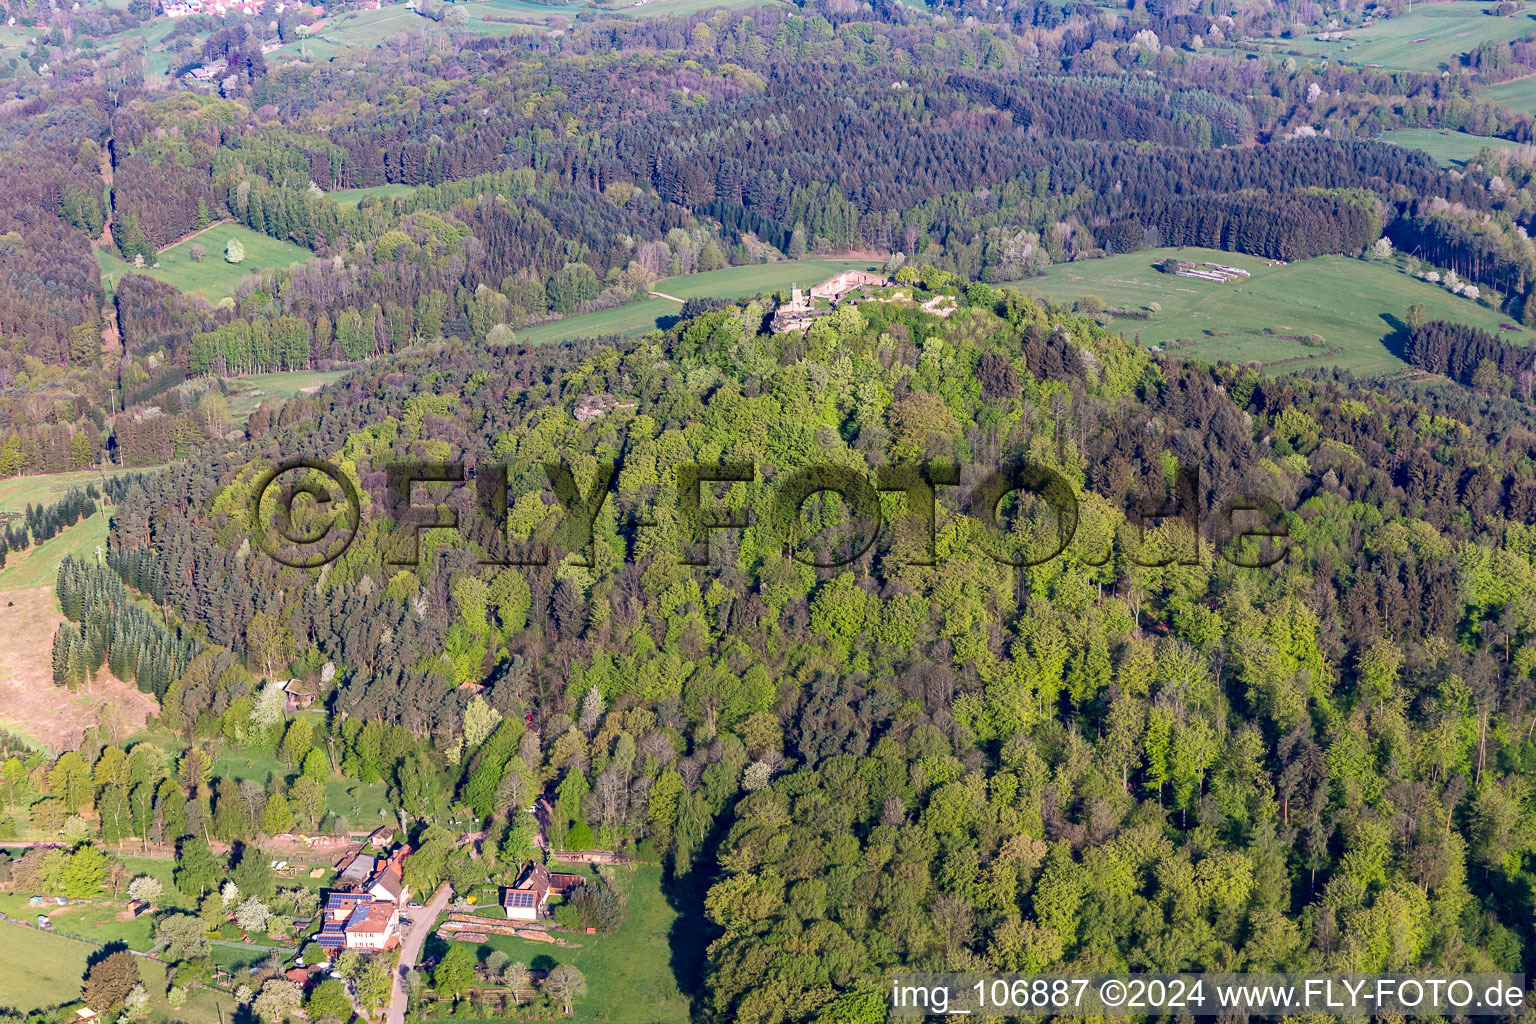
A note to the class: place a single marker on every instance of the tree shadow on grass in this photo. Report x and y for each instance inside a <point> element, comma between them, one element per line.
<point>692,931</point>
<point>1397,340</point>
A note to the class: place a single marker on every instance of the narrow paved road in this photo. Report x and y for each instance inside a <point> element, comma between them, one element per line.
<point>410,947</point>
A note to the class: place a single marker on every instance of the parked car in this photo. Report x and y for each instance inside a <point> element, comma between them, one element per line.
<point>413,906</point>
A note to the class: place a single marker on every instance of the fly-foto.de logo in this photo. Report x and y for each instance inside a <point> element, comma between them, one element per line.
<point>307,512</point>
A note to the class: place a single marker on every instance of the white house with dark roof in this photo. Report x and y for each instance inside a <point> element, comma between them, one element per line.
<point>526,901</point>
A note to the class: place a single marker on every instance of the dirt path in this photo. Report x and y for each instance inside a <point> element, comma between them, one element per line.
<point>29,702</point>
<point>105,241</point>
<point>111,338</point>
<point>664,295</point>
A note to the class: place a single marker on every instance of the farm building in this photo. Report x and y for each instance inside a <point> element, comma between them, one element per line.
<point>356,870</point>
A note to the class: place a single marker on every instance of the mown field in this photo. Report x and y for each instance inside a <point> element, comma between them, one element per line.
<point>38,566</point>
<point>628,971</point>
<point>17,492</point>
<point>730,283</point>
<point>1519,94</point>
<point>213,278</point>
<point>636,318</point>
<point>1357,306</point>
<point>1450,149</point>
<point>249,391</point>
<point>1432,38</point>
<point>38,969</point>
<point>368,29</point>
<point>353,196</point>
<point>653,8</point>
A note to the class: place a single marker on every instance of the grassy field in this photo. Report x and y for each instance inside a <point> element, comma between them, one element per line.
<point>636,318</point>
<point>1357,307</point>
<point>353,30</point>
<point>1520,94</point>
<point>249,391</point>
<point>38,969</point>
<point>509,17</point>
<point>1432,38</point>
<point>730,283</point>
<point>213,278</point>
<point>655,8</point>
<point>103,921</point>
<point>1451,149</point>
<point>353,196</point>
<point>368,29</point>
<point>364,806</point>
<point>17,492</point>
<point>39,565</point>
<point>629,974</point>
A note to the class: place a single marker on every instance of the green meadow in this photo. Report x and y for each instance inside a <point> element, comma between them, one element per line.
<point>249,391</point>
<point>213,278</point>
<point>38,968</point>
<point>38,566</point>
<point>17,492</point>
<point>369,29</point>
<point>1450,149</point>
<point>1519,94</point>
<point>1357,307</point>
<point>635,318</point>
<point>1432,38</point>
<point>352,196</point>
<point>629,971</point>
<point>729,283</point>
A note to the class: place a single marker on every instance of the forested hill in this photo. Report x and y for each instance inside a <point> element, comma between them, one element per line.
<point>1097,764</point>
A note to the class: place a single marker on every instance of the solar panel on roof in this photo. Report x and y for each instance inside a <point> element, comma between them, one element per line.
<point>520,899</point>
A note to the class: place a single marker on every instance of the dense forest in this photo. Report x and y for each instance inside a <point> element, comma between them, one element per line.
<point>568,173</point>
<point>1136,755</point>
<point>1077,656</point>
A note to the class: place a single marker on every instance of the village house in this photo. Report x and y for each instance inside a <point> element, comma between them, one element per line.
<point>355,920</point>
<point>208,72</point>
<point>365,916</point>
<point>373,926</point>
<point>528,900</point>
<point>297,696</point>
<point>388,881</point>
